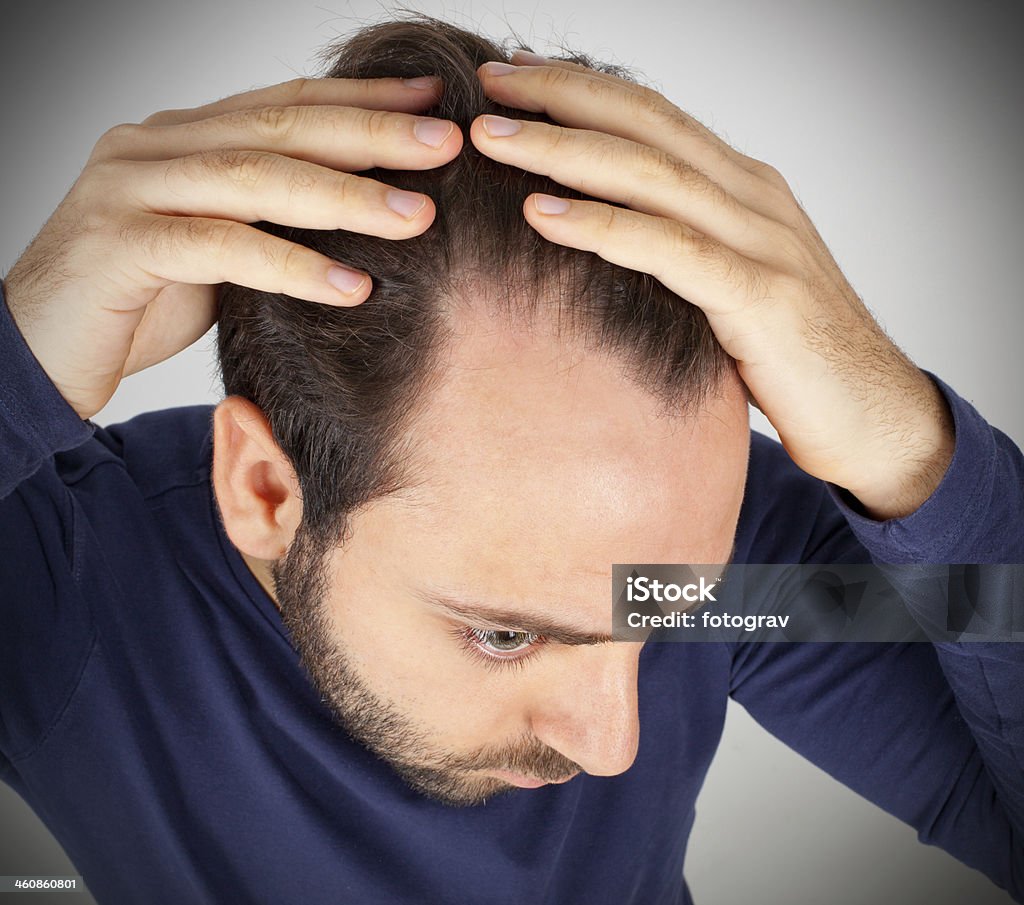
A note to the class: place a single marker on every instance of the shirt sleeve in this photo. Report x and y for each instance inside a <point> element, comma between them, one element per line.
<point>45,626</point>
<point>35,419</point>
<point>931,733</point>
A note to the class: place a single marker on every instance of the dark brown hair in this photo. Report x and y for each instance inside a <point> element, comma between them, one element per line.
<point>337,385</point>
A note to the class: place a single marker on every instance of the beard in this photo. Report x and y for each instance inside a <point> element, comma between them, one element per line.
<point>301,587</point>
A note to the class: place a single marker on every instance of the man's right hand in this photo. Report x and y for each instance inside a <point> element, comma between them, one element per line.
<point>123,275</point>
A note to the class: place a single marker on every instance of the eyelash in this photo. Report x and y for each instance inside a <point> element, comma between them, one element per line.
<point>470,640</point>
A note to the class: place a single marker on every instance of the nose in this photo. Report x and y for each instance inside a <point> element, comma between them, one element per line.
<point>592,717</point>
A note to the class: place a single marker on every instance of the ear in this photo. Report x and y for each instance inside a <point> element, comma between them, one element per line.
<point>255,484</point>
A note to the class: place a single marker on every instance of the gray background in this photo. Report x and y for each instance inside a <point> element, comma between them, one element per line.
<point>898,125</point>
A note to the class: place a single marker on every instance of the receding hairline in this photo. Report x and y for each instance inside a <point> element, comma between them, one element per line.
<point>474,311</point>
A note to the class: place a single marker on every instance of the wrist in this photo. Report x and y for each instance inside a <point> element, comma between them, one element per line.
<point>913,459</point>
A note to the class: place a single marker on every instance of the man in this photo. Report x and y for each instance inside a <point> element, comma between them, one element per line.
<point>404,526</point>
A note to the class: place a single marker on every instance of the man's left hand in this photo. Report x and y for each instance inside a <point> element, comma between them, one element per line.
<point>725,232</point>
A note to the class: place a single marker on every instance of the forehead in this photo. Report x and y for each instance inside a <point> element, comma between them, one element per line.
<point>537,456</point>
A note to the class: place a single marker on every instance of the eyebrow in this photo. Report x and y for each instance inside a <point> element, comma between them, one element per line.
<point>514,620</point>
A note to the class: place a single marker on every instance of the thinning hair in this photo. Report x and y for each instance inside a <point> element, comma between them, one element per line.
<point>338,385</point>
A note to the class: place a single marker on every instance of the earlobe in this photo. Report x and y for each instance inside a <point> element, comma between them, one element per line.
<point>254,483</point>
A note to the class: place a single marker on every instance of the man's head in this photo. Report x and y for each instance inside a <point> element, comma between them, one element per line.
<point>434,485</point>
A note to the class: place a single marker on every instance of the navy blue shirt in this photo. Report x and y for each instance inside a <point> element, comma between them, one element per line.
<point>154,713</point>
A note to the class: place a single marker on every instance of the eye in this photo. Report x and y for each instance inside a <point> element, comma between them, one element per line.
<point>498,648</point>
<point>503,642</point>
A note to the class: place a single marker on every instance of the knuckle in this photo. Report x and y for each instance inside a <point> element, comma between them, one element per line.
<point>377,124</point>
<point>274,122</point>
<point>666,116</point>
<point>612,216</point>
<point>605,91</point>
<point>666,168</point>
<point>192,232</point>
<point>562,141</point>
<point>302,181</point>
<point>649,104</point>
<point>612,225</point>
<point>557,76</point>
<point>162,118</point>
<point>346,189</point>
<point>191,167</point>
<point>785,208</point>
<point>675,239</point>
<point>621,227</point>
<point>116,140</point>
<point>772,193</point>
<point>246,169</point>
<point>283,258</point>
<point>614,152</point>
<point>225,238</point>
<point>769,174</point>
<point>663,166</point>
<point>289,259</point>
<point>295,90</point>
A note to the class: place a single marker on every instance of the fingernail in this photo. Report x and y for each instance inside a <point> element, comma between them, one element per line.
<point>529,58</point>
<point>405,204</point>
<point>433,132</point>
<point>499,127</point>
<point>422,82</point>
<point>549,204</point>
<point>348,281</point>
<point>498,68</point>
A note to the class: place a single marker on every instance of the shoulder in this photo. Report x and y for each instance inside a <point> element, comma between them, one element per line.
<point>156,451</point>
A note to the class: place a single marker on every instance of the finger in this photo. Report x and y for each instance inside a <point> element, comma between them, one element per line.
<point>346,138</point>
<point>579,98</point>
<point>408,95</point>
<point>641,177</point>
<point>529,58</point>
<point>249,186</point>
<point>178,316</point>
<point>202,250</point>
<point>750,187</point>
<point>568,91</point>
<point>697,267</point>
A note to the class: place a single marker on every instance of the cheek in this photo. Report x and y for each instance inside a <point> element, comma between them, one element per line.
<point>410,658</point>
